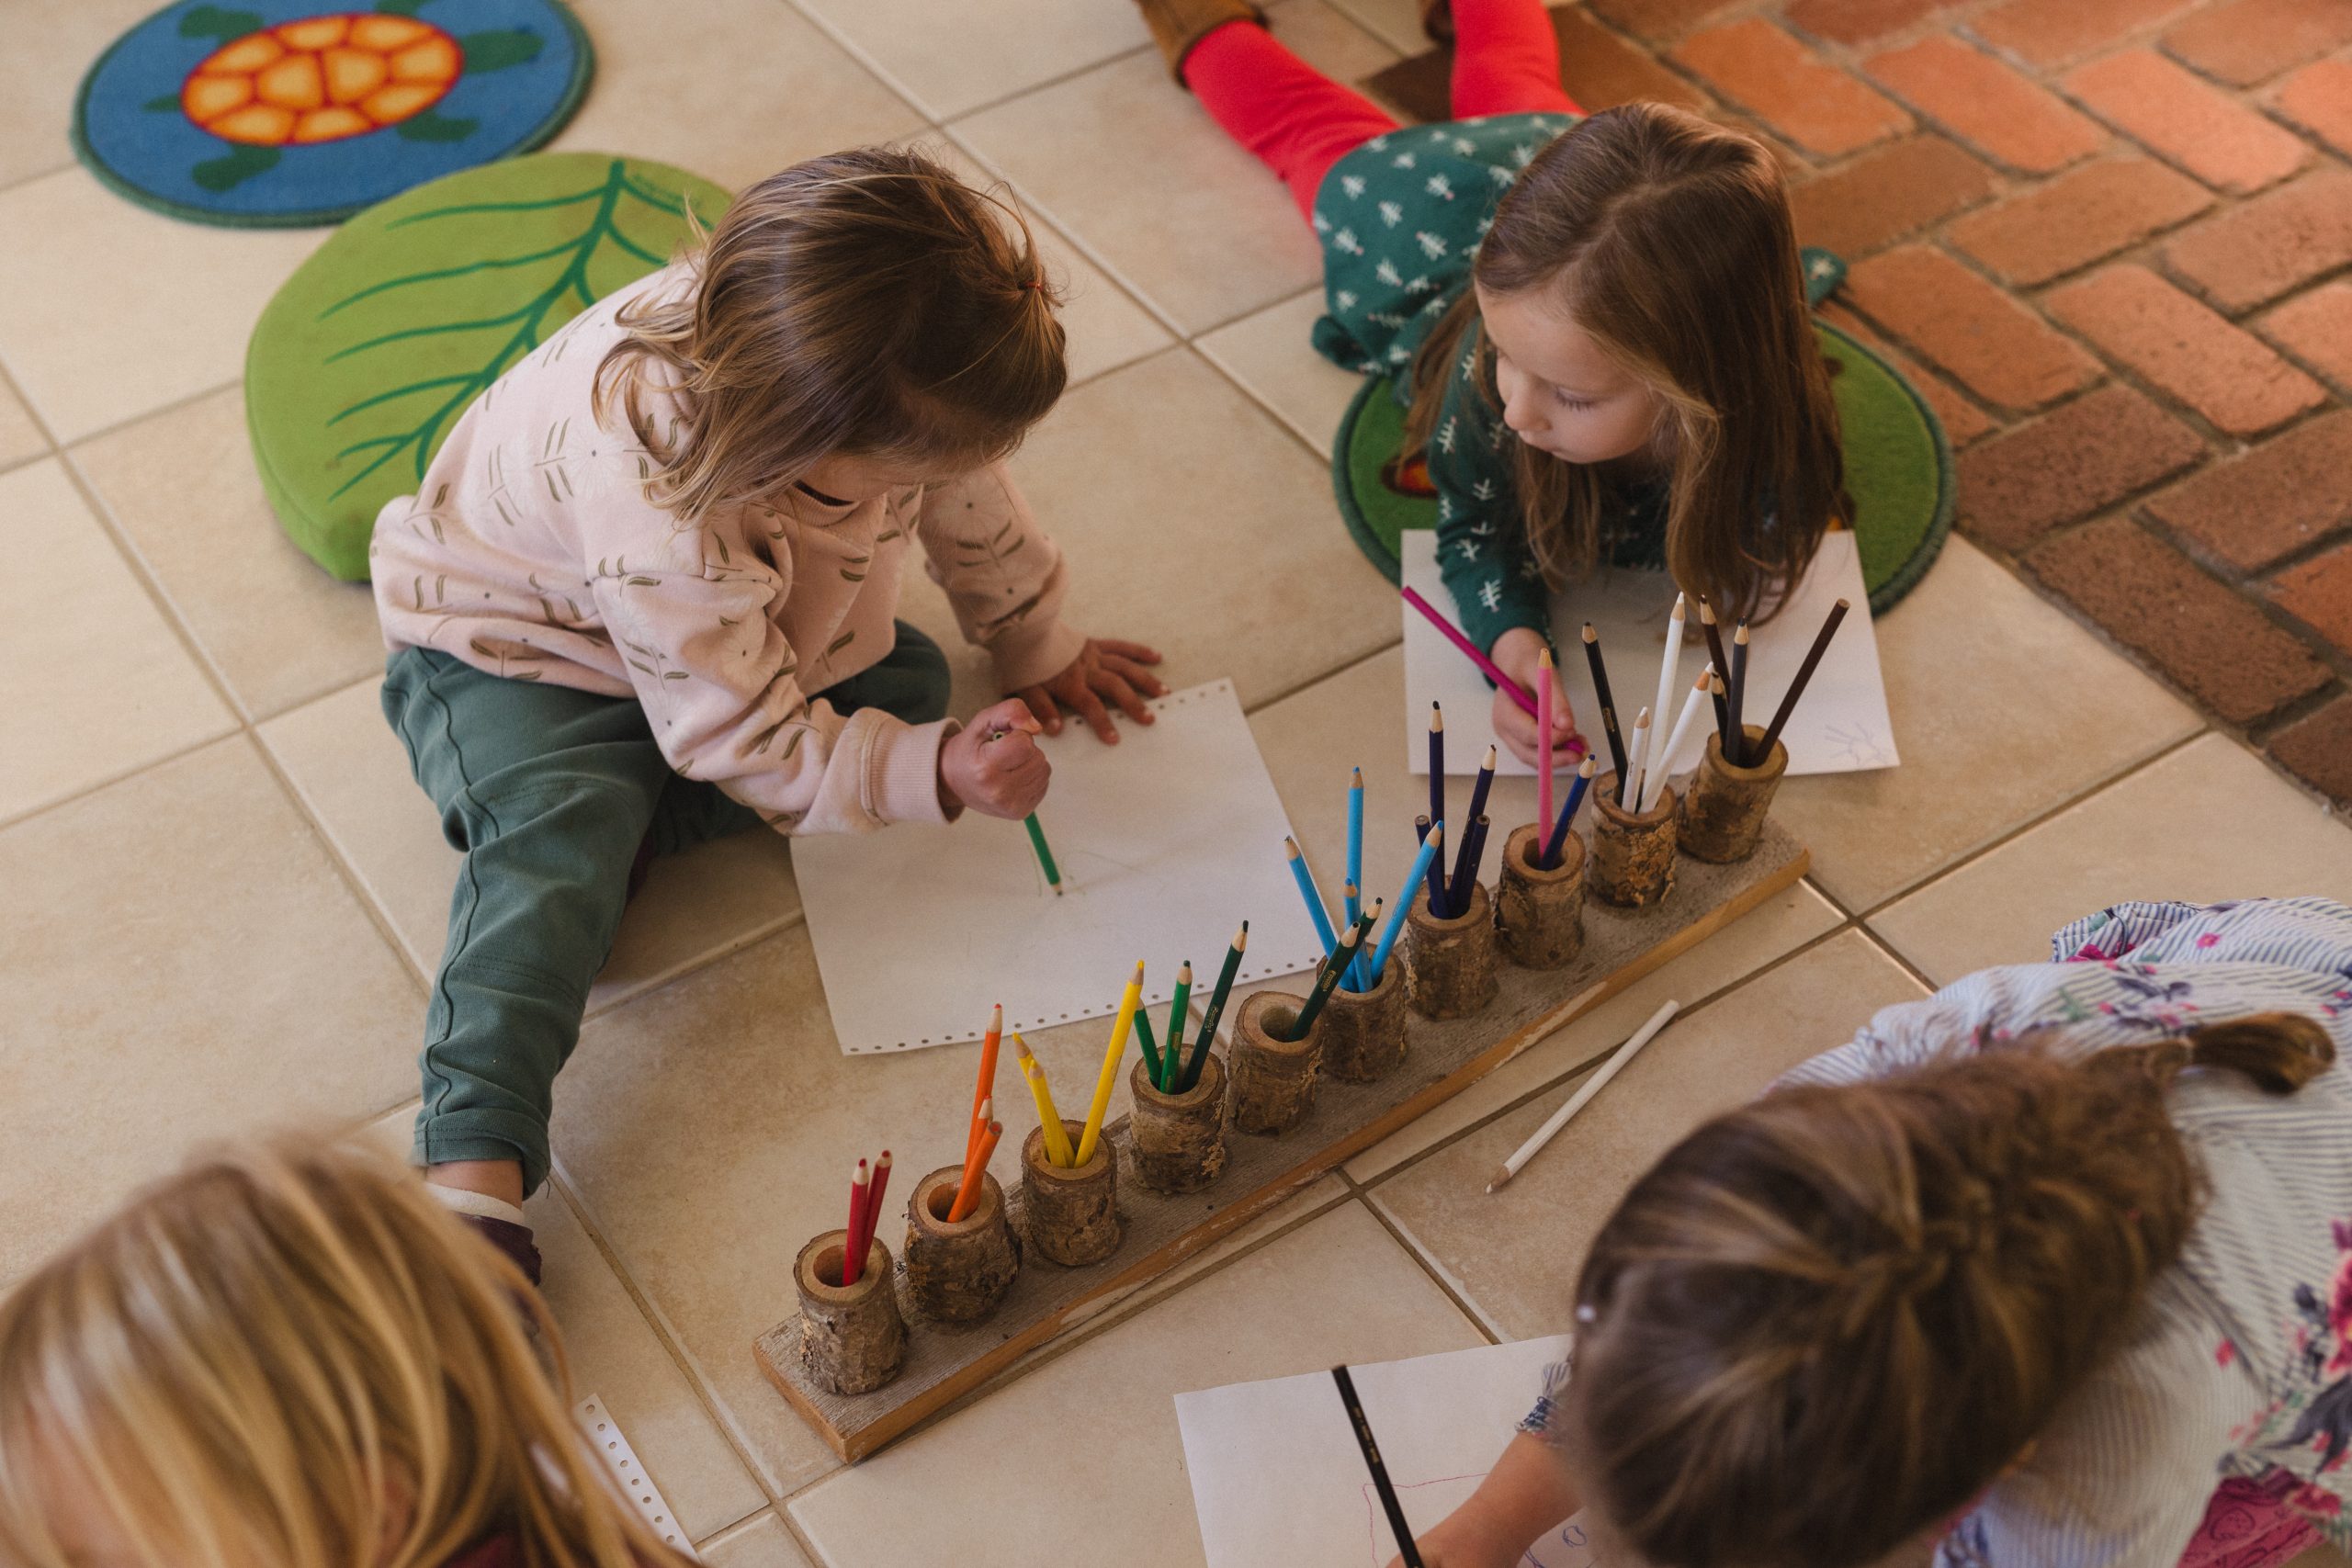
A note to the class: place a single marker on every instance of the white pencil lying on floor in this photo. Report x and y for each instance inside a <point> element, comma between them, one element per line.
<point>1592,1086</point>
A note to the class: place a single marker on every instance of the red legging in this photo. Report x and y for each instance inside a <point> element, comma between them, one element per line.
<point>1506,60</point>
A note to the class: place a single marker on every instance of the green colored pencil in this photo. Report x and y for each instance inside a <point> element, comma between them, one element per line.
<point>1215,1010</point>
<point>1167,1078</point>
<point>1326,980</point>
<point>1150,1046</point>
<point>1045,855</point>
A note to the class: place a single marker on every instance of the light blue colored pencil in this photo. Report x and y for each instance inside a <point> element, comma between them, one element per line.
<point>1431,846</point>
<point>1313,895</point>
<point>1356,976</point>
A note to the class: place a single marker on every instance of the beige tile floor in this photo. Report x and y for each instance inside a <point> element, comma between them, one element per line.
<point>223,895</point>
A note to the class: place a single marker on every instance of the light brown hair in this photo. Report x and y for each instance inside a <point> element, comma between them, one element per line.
<point>292,1356</point>
<point>1824,1322</point>
<point>864,303</point>
<point>1668,239</point>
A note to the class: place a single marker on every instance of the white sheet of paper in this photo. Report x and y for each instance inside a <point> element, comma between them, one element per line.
<point>1166,842</point>
<point>1839,726</point>
<point>1278,1481</point>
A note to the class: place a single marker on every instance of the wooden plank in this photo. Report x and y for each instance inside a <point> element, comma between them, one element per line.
<point>943,1363</point>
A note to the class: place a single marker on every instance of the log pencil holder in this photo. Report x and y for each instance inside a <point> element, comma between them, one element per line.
<point>1073,1216</point>
<point>1452,961</point>
<point>852,1338</point>
<point>1272,1076</point>
<point>1179,1138</point>
<point>1364,1032</point>
<point>1633,857</point>
<point>1539,912</point>
<point>959,1270</point>
<point>1723,817</point>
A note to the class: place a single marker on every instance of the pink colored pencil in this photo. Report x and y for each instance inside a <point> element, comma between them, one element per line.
<point>874,1204</point>
<point>860,1199</point>
<point>1544,739</point>
<point>1454,634</point>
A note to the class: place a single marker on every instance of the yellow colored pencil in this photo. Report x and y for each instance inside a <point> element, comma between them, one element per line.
<point>1132,1000</point>
<point>1057,1135</point>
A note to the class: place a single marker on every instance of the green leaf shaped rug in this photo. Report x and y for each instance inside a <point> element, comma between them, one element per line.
<point>373,348</point>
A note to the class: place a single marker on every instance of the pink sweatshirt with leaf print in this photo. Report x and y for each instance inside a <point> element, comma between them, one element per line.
<point>530,551</point>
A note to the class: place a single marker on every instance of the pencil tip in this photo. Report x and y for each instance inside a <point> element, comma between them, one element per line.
<point>1500,1178</point>
<point>1492,756</point>
<point>1589,634</point>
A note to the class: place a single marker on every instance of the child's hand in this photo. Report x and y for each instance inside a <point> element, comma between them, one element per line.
<point>993,766</point>
<point>1519,654</point>
<point>1102,669</point>
<point>1457,1543</point>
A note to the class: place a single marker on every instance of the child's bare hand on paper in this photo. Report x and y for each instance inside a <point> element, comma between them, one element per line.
<point>1519,654</point>
<point>993,765</point>
<point>1459,1544</point>
<point>1104,668</point>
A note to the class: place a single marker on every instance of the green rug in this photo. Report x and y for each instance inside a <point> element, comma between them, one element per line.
<point>371,352</point>
<point>1898,470</point>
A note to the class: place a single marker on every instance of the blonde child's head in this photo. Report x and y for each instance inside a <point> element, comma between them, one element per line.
<point>865,317</point>
<point>1824,1322</point>
<point>289,1358</point>
<point>1639,295</point>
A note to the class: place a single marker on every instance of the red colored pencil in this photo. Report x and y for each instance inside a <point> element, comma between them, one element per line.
<point>967,1195</point>
<point>874,1207</point>
<point>861,1200</point>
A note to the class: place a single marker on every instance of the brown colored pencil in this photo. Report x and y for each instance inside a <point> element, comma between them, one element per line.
<point>1716,652</point>
<point>1737,750</point>
<point>1805,673</point>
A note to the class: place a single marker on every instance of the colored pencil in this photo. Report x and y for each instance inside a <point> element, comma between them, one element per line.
<point>1421,829</point>
<point>874,1204</point>
<point>1435,872</point>
<point>860,1197</point>
<point>1130,1002</point>
<point>1311,893</point>
<point>967,1193</point>
<point>1639,744</point>
<point>1407,1553</point>
<point>1431,847</point>
<point>1045,855</point>
<point>1576,1101</point>
<point>1682,722</point>
<point>1165,1079</point>
<point>1544,736</point>
<point>1796,687</point>
<point>1737,677</point>
<point>1519,694</point>
<point>1327,979</point>
<point>1057,1149</point>
<point>1714,635</point>
<point>1465,869</point>
<point>1550,858</point>
<point>1608,730</point>
<point>985,1090</point>
<point>1662,709</point>
<point>1216,1010</point>
<point>1150,1045</point>
<point>1437,761</point>
<point>1465,866</point>
<point>1355,837</point>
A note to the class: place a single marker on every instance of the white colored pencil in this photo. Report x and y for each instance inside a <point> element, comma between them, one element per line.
<point>1691,706</point>
<point>1637,742</point>
<point>1654,760</point>
<point>1592,1086</point>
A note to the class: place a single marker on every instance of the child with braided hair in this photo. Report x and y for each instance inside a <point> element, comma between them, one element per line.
<point>2053,1268</point>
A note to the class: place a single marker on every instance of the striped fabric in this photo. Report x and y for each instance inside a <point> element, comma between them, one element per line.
<point>2242,1364</point>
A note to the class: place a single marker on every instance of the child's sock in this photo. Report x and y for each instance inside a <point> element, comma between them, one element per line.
<point>499,1223</point>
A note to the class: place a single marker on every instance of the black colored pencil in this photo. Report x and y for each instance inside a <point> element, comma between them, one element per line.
<point>1737,718</point>
<point>1191,1074</point>
<point>1406,1551</point>
<point>1715,654</point>
<point>1608,730</point>
<point>1796,687</point>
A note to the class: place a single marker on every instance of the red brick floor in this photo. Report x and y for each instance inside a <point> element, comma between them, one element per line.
<point>2113,240</point>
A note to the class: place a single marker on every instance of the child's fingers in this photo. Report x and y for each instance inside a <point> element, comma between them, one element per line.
<point>1096,717</point>
<point>1134,650</point>
<point>1043,712</point>
<point>1135,674</point>
<point>1117,688</point>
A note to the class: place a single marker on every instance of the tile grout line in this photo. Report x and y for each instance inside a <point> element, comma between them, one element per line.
<point>1454,1289</point>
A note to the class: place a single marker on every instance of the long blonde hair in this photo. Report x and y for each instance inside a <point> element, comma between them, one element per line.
<point>1826,1321</point>
<point>865,303</point>
<point>1668,239</point>
<point>291,1357</point>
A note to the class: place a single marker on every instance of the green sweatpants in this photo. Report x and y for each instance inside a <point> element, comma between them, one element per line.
<point>549,791</point>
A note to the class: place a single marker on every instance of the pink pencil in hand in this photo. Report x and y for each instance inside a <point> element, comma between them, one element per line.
<point>1454,634</point>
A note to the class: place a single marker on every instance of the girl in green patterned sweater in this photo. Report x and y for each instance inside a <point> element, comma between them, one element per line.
<point>1599,322</point>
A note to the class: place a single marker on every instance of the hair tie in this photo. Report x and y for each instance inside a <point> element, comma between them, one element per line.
<point>1037,283</point>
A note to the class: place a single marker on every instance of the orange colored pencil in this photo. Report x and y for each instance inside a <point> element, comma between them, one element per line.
<point>968,1194</point>
<point>985,1090</point>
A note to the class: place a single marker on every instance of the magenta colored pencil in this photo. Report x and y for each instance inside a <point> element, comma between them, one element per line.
<point>1454,634</point>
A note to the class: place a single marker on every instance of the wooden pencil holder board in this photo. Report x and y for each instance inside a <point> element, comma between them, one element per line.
<point>1724,812</point>
<point>957,1270</point>
<point>1633,857</point>
<point>1273,1075</point>
<point>944,1362</point>
<point>1179,1138</point>
<point>1364,1032</point>
<point>852,1338</point>
<point>1451,962</point>
<point>1539,911</point>
<point>1073,1216</point>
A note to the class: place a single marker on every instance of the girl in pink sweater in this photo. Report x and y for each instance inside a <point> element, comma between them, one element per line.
<point>645,596</point>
